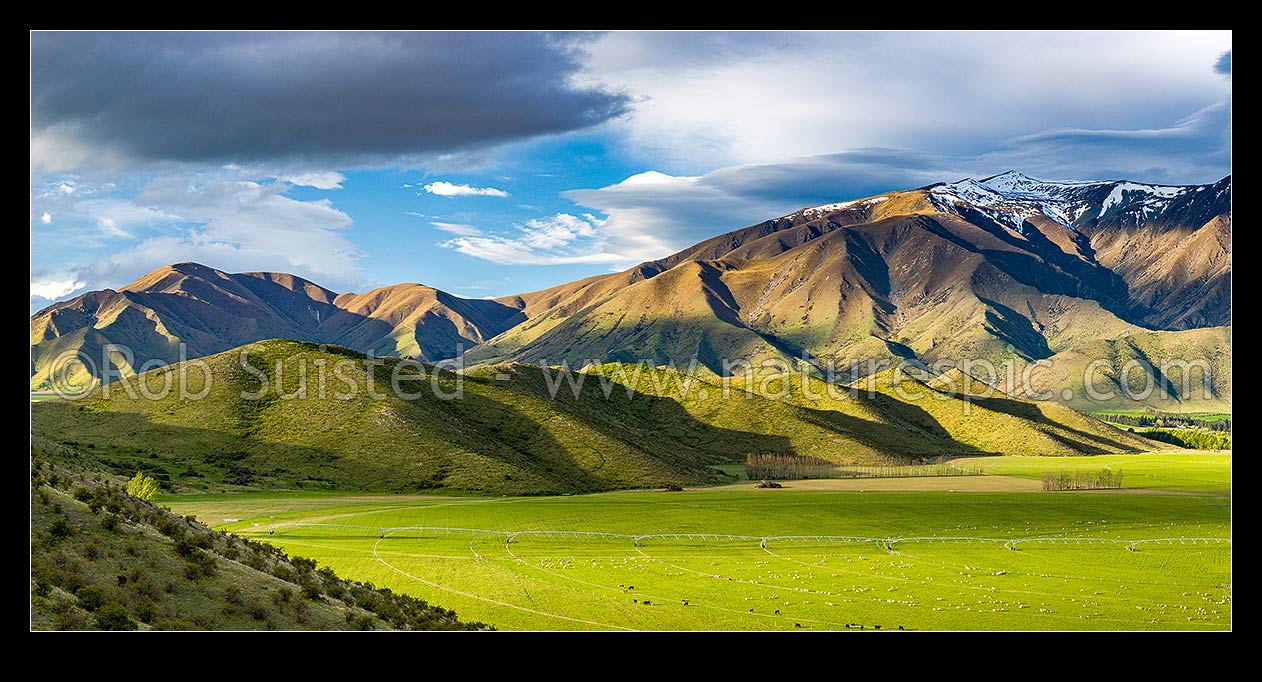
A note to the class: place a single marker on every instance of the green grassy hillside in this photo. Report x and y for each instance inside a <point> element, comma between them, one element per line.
<point>103,560</point>
<point>506,434</point>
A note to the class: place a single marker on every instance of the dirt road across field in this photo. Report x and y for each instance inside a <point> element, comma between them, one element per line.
<point>964,484</point>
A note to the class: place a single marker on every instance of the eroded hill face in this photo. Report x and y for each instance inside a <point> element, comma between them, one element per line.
<point>1008,268</point>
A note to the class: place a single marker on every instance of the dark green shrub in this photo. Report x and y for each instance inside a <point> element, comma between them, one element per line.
<point>310,588</point>
<point>90,597</point>
<point>114,617</point>
<point>146,610</point>
<point>70,619</point>
<point>256,610</point>
<point>60,530</point>
<point>284,573</point>
<point>303,563</point>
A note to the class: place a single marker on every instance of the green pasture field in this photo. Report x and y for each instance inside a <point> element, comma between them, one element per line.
<point>559,573</point>
<point>1191,472</point>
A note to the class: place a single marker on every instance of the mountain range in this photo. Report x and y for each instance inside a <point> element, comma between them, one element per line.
<point>1006,268</point>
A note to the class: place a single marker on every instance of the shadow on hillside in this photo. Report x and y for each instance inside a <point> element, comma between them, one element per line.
<point>1038,262</point>
<point>664,429</point>
<point>1106,287</point>
<point>911,431</point>
<point>1032,412</point>
<point>1017,329</point>
<point>659,429</point>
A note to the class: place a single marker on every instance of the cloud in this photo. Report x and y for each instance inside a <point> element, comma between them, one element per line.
<point>232,224</point>
<point>446,189</point>
<point>49,289</point>
<point>316,179</point>
<point>705,100</point>
<point>47,218</point>
<point>1196,148</point>
<point>109,227</point>
<point>1222,65</point>
<point>653,214</point>
<point>119,97</point>
<point>457,228</point>
<point>560,239</point>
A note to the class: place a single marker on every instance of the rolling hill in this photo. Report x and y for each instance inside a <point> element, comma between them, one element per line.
<point>610,426</point>
<point>1007,269</point>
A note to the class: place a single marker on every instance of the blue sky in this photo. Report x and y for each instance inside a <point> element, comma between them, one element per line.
<point>489,164</point>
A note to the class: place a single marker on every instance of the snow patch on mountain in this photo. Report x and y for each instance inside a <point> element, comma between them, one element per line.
<point>824,209</point>
<point>1152,194</point>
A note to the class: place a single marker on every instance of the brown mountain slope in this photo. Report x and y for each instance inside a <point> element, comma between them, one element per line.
<point>1181,276</point>
<point>1001,277</point>
<point>412,320</point>
<point>933,286</point>
<point>211,311</point>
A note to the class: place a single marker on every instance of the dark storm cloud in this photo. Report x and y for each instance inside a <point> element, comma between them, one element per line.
<point>256,96</point>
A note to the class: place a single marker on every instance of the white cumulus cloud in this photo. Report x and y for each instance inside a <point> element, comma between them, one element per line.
<point>447,189</point>
<point>47,218</point>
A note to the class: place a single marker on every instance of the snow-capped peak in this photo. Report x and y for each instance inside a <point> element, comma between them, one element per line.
<point>1012,181</point>
<point>1011,198</point>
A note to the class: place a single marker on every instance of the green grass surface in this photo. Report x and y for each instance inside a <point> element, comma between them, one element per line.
<point>1199,473</point>
<point>542,582</point>
<point>735,472</point>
